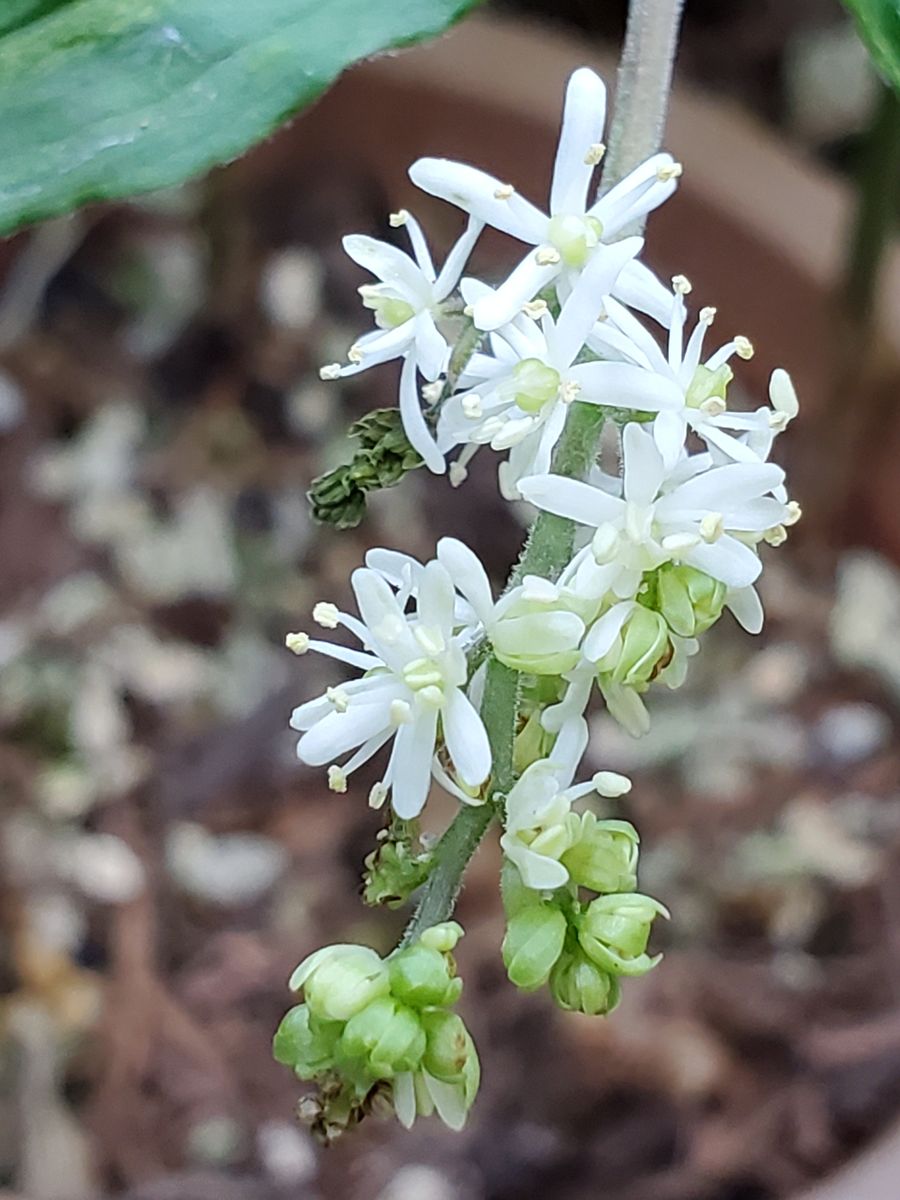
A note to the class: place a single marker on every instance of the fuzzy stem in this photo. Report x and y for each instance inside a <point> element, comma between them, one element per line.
<point>645,77</point>
<point>642,87</point>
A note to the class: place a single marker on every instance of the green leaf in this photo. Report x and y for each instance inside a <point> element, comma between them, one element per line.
<point>101,99</point>
<point>879,27</point>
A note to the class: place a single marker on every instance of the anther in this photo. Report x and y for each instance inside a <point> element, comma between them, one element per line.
<point>594,154</point>
<point>326,615</point>
<point>330,371</point>
<point>547,256</point>
<point>297,643</point>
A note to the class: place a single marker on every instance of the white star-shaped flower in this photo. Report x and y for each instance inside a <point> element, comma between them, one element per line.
<point>574,230</point>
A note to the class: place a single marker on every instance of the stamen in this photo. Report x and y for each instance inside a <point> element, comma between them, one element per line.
<point>713,407</point>
<point>457,474</point>
<point>611,784</point>
<point>669,171</point>
<point>297,643</point>
<point>712,527</point>
<point>400,712</point>
<point>535,309</point>
<point>431,392</point>
<point>355,354</point>
<point>468,310</point>
<point>682,285</point>
<point>398,218</point>
<point>743,347</point>
<point>680,543</point>
<point>594,154</point>
<point>504,192</point>
<point>378,793</point>
<point>776,536</point>
<point>547,256</point>
<point>339,698</point>
<point>794,513</point>
<point>569,391</point>
<point>330,371</point>
<point>708,315</point>
<point>337,780</point>
<point>325,614</point>
<point>778,421</point>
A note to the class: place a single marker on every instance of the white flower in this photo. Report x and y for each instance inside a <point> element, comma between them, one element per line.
<point>407,305</point>
<point>518,398</point>
<point>574,230</point>
<point>540,826</point>
<point>412,691</point>
<point>703,520</point>
<point>737,436</point>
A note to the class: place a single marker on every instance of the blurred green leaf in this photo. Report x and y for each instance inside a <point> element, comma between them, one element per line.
<point>104,98</point>
<point>879,26</point>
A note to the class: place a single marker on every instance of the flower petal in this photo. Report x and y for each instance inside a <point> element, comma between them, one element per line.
<point>505,302</point>
<point>414,423</point>
<point>466,738</point>
<point>432,351</point>
<point>727,560</point>
<point>571,498</point>
<point>625,385</point>
<point>457,258</point>
<point>389,264</point>
<point>584,116</point>
<point>583,305</point>
<point>644,467</point>
<point>411,764</point>
<point>468,575</point>
<point>474,192</point>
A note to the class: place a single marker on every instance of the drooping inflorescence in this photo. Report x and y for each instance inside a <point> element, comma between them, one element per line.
<point>657,550</point>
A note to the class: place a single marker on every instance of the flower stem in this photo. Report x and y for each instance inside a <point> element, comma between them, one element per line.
<point>642,87</point>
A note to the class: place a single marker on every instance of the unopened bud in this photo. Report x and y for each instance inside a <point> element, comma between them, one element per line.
<point>533,942</point>
<point>690,600</point>
<point>421,977</point>
<point>339,981</point>
<point>579,985</point>
<point>614,932</point>
<point>303,1045</point>
<point>604,856</point>
<point>381,1041</point>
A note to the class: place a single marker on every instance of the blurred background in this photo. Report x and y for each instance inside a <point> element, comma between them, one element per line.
<point>165,860</point>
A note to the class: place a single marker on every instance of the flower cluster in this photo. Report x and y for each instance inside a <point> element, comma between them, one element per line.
<point>375,1029</point>
<point>665,518</point>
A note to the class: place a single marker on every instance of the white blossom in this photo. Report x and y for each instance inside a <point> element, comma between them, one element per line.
<point>574,230</point>
<point>517,398</point>
<point>407,304</point>
<point>704,520</point>
<point>413,691</point>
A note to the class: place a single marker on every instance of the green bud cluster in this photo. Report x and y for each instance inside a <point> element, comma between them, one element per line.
<point>384,456</point>
<point>689,601</point>
<point>373,1031</point>
<point>396,867</point>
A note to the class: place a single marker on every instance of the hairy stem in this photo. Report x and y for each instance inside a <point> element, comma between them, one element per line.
<point>642,87</point>
<point>645,77</point>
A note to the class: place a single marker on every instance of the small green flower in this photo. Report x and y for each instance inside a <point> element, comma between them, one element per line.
<point>534,940</point>
<point>339,981</point>
<point>689,600</point>
<point>604,855</point>
<point>614,932</point>
<point>304,1044</point>
<point>382,1040</point>
<point>423,977</point>
<point>579,985</point>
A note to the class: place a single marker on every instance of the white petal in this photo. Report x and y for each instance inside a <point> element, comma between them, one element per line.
<point>432,351</point>
<point>723,487</point>
<point>583,305</point>
<point>634,196</point>
<point>339,732</point>
<point>569,748</point>
<point>456,260</point>
<point>728,560</point>
<point>382,346</point>
<point>526,280</point>
<point>603,633</point>
<point>571,498</point>
<point>384,618</point>
<point>746,607</point>
<point>404,1093</point>
<point>625,385</point>
<point>474,192</point>
<point>538,871</point>
<point>389,264</point>
<point>584,116</point>
<point>468,575</point>
<point>414,423</point>
<point>449,1100</point>
<point>436,599</point>
<point>639,288</point>
<point>669,432</point>
<point>466,738</point>
<point>420,247</point>
<point>411,764</point>
<point>644,467</point>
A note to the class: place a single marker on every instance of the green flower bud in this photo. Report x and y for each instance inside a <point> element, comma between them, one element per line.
<point>707,385</point>
<point>614,932</point>
<point>532,743</point>
<point>339,981</point>
<point>421,977</point>
<point>443,937</point>
<point>383,1040</point>
<point>533,942</point>
<point>448,1046</point>
<point>579,985</point>
<point>642,651</point>
<point>305,1045</point>
<point>535,384</point>
<point>689,600</point>
<point>604,857</point>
